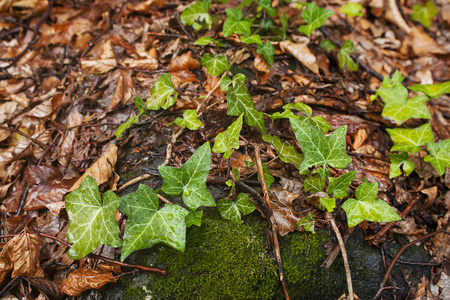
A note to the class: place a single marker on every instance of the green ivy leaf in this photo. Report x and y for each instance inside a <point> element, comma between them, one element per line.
<point>189,119</point>
<point>194,218</point>
<point>253,39</point>
<point>317,121</point>
<point>368,206</point>
<point>215,65</point>
<point>197,14</point>
<point>323,172</point>
<point>235,24</point>
<point>344,56</point>
<point>284,24</point>
<point>225,81</point>
<point>140,104</point>
<point>240,101</point>
<point>411,140</point>
<point>329,203</point>
<point>318,149</point>
<point>91,219</point>
<point>432,90</point>
<point>397,160</point>
<point>286,152</point>
<point>439,155</point>
<point>352,9</point>
<point>190,179</point>
<point>121,129</point>
<point>339,186</point>
<point>314,183</point>
<point>267,176</point>
<point>424,14</point>
<point>231,210</point>
<point>229,139</point>
<point>206,40</point>
<point>163,94</point>
<point>147,226</point>
<point>267,5</point>
<point>267,50</point>
<point>300,106</point>
<point>314,16</point>
<point>307,223</point>
<point>327,45</point>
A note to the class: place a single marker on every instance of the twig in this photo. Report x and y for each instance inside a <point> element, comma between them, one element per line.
<point>39,143</point>
<point>261,176</point>
<point>403,248</point>
<point>348,274</point>
<point>334,253</point>
<point>163,199</point>
<point>134,180</point>
<point>182,26</point>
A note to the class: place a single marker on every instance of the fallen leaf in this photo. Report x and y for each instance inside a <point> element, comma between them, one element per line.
<point>65,152</point>
<point>422,44</point>
<point>301,53</point>
<point>49,288</point>
<point>184,62</point>
<point>85,279</point>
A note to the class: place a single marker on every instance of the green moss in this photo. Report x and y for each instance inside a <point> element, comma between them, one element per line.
<point>131,291</point>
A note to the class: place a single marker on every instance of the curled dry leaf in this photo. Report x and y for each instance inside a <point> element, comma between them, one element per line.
<point>301,53</point>
<point>184,62</point>
<point>261,65</point>
<point>431,193</point>
<point>422,44</point>
<point>146,6</point>
<point>65,152</point>
<point>49,288</point>
<point>102,169</point>
<point>182,76</point>
<point>85,279</point>
<point>104,64</point>
<point>144,61</point>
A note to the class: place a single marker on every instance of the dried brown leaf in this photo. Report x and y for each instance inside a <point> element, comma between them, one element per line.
<point>45,286</point>
<point>65,152</point>
<point>431,193</point>
<point>97,66</point>
<point>42,110</point>
<point>261,65</point>
<point>5,267</point>
<point>182,76</point>
<point>301,52</point>
<point>184,62</point>
<point>422,44</point>
<point>282,202</point>
<point>85,279</point>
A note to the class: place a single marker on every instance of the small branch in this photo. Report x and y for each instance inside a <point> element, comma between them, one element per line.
<point>334,253</point>
<point>348,274</point>
<point>134,180</point>
<point>261,176</point>
<point>182,26</point>
<point>403,248</point>
<point>39,143</point>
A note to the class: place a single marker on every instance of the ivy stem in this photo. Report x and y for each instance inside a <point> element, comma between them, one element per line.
<point>348,274</point>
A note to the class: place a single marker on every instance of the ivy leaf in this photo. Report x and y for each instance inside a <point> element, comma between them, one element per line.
<point>307,223</point>
<point>314,183</point>
<point>323,172</point>
<point>284,24</point>
<point>352,9</point>
<point>215,65</point>
<point>229,139</point>
<point>314,16</point>
<point>432,90</point>
<point>411,140</point>
<point>163,94</point>
<point>235,24</point>
<point>206,40</point>
<point>344,56</point>
<point>327,45</point>
<point>368,206</point>
<point>240,101</point>
<point>190,179</point>
<point>147,226</point>
<point>287,152</point>
<point>189,119</point>
<point>140,105</point>
<point>319,149</point>
<point>267,5</point>
<point>424,14</point>
<point>329,203</point>
<point>194,218</point>
<point>267,50</point>
<point>253,39</point>
<point>197,14</point>
<point>121,129</point>
<point>300,106</point>
<point>339,186</point>
<point>267,176</point>
<point>231,210</point>
<point>225,81</point>
<point>317,121</point>
<point>397,160</point>
<point>439,155</point>
<point>91,219</point>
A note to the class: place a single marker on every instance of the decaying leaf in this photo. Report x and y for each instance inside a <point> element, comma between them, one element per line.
<point>85,279</point>
<point>301,53</point>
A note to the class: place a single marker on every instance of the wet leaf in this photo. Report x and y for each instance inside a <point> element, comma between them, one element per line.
<point>287,152</point>
<point>424,14</point>
<point>314,184</point>
<point>339,186</point>
<point>368,207</point>
<point>267,6</point>
<point>189,119</point>
<point>344,56</point>
<point>240,101</point>
<point>327,45</point>
<point>194,218</point>
<point>85,279</point>
<point>163,94</point>
<point>148,225</point>
<point>49,288</point>
<point>235,24</point>
<point>267,50</point>
<point>197,14</point>
<point>267,176</point>
<point>400,161</point>
<point>206,40</point>
<point>231,210</point>
<point>91,219</point>
<point>190,179</point>
<point>439,155</point>
<point>253,39</point>
<point>314,16</point>
<point>351,9</point>
<point>215,65</point>
<point>307,223</point>
<point>432,90</point>
<point>329,203</point>
<point>225,81</point>
<point>228,140</point>
<point>410,140</point>
<point>318,149</point>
